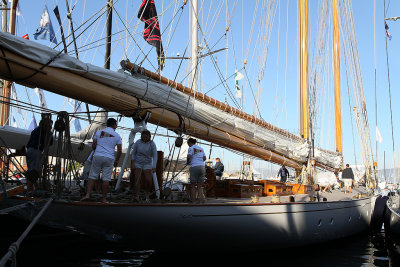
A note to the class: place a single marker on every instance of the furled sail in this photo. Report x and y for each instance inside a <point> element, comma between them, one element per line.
<point>34,65</point>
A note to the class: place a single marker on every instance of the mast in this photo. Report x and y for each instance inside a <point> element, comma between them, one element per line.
<point>5,107</point>
<point>109,29</point>
<point>4,16</point>
<point>195,44</point>
<point>336,64</point>
<point>304,110</point>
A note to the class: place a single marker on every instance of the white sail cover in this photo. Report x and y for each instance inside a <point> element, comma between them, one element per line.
<point>164,96</point>
<point>99,122</point>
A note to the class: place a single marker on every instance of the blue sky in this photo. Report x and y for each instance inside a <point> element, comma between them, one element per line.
<point>279,97</point>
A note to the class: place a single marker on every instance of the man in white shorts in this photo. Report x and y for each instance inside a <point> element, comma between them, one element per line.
<point>196,158</point>
<point>104,142</point>
<point>347,177</point>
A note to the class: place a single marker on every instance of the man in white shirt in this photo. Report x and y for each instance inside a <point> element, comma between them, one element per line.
<point>196,158</point>
<point>104,142</point>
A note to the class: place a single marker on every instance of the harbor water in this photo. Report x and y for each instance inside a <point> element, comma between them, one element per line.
<point>50,247</point>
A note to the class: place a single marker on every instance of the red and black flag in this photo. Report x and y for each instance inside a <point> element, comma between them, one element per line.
<point>152,34</point>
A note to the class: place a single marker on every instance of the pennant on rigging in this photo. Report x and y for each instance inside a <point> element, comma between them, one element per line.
<point>15,97</point>
<point>387,33</point>
<point>45,30</point>
<point>378,135</point>
<point>152,34</point>
<point>33,124</point>
<point>77,108</point>
<point>42,100</point>
<point>14,122</point>
<point>238,77</point>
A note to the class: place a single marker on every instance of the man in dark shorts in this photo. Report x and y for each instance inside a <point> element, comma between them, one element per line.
<point>40,137</point>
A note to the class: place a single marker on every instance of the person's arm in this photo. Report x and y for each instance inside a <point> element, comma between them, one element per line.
<point>94,144</point>
<point>118,155</point>
<point>189,155</point>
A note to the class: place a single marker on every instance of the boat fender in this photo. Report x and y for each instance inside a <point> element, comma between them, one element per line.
<point>291,199</point>
<point>377,216</point>
<point>275,199</point>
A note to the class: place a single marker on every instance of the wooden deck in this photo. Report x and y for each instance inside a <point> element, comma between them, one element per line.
<point>334,195</point>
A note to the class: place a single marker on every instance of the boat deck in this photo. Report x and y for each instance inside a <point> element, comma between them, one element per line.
<point>334,195</point>
<point>183,197</point>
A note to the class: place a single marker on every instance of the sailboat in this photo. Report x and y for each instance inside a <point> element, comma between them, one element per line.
<point>232,223</point>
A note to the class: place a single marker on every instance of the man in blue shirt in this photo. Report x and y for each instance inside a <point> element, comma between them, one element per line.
<point>218,168</point>
<point>283,173</point>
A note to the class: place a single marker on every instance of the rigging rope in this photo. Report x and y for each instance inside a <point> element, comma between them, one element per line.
<point>390,93</point>
<point>11,254</point>
<point>351,53</point>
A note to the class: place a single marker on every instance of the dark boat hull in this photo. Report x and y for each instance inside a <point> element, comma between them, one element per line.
<point>210,226</point>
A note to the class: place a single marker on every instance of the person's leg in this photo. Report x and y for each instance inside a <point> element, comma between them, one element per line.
<point>32,162</point>
<point>350,189</point>
<point>193,192</point>
<point>90,186</point>
<point>131,178</point>
<point>200,182</point>
<point>105,188</point>
<point>137,173</point>
<point>200,190</point>
<point>148,181</point>
<point>93,175</point>
<point>107,167</point>
<point>192,180</point>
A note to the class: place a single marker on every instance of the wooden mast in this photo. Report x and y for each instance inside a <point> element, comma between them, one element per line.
<point>5,107</point>
<point>336,64</point>
<point>303,24</point>
<point>195,45</point>
<point>107,61</point>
